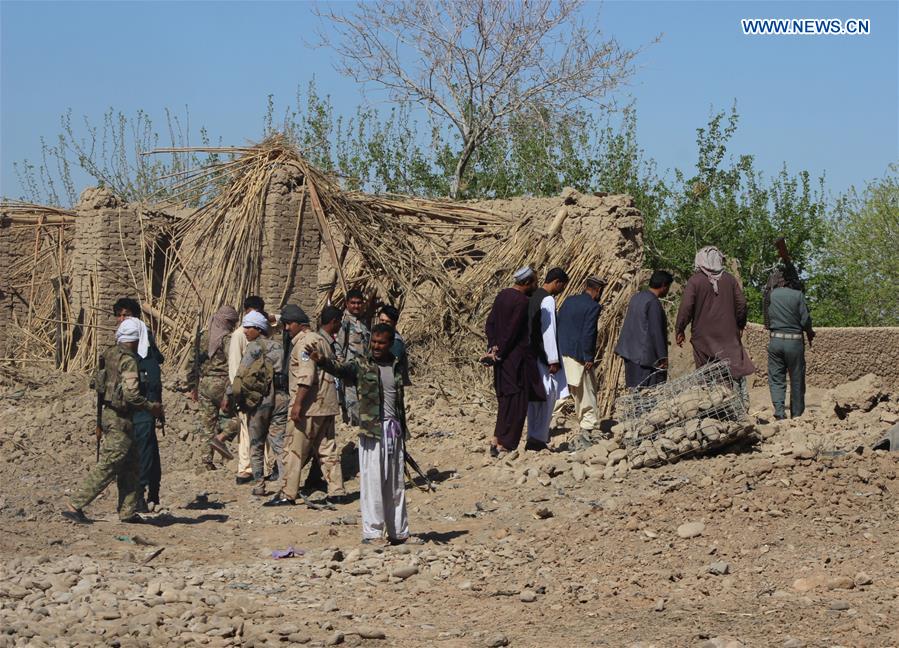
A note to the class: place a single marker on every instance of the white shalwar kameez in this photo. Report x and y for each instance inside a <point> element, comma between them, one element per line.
<point>540,413</point>
<point>382,488</point>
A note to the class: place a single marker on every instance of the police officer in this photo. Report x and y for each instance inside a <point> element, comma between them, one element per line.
<point>314,405</point>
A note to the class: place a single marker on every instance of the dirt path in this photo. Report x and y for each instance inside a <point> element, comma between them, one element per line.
<point>792,551</point>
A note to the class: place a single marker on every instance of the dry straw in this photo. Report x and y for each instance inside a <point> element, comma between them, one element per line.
<point>441,261</point>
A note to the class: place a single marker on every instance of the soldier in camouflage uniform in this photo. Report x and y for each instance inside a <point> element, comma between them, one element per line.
<point>352,342</point>
<point>260,388</point>
<point>382,412</point>
<point>149,366</point>
<point>207,380</point>
<point>121,397</point>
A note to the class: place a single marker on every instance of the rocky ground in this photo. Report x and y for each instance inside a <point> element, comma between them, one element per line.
<point>786,541</point>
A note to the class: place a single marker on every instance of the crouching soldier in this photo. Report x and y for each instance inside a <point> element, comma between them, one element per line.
<point>118,386</point>
<point>378,381</point>
<point>208,380</point>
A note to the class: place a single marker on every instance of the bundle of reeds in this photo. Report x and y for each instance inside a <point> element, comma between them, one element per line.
<point>36,241</point>
<point>392,245</point>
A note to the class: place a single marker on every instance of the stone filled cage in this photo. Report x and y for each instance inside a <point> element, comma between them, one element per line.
<point>691,415</point>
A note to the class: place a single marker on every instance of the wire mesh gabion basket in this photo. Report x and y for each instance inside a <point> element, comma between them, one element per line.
<point>690,415</point>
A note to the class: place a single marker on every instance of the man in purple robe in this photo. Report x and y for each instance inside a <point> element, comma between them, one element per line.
<point>514,367</point>
<point>715,307</point>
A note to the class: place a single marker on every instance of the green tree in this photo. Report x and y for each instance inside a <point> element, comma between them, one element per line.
<point>856,283</point>
<point>728,203</point>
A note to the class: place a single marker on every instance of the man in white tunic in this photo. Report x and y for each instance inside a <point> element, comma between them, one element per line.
<point>545,344</point>
<point>235,353</point>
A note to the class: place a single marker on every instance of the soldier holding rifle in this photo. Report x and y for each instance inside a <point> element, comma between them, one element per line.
<point>118,384</point>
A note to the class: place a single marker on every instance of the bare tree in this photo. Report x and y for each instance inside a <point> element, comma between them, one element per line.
<point>475,64</point>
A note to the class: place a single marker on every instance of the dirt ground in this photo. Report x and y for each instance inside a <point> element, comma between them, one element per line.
<point>794,542</point>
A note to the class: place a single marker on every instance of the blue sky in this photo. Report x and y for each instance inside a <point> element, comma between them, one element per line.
<point>828,104</point>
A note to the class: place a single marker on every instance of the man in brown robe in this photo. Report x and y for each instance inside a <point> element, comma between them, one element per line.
<point>515,377</point>
<point>714,304</point>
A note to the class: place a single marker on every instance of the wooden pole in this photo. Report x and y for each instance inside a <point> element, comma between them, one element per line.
<point>326,234</point>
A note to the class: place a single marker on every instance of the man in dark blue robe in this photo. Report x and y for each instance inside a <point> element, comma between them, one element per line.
<point>644,335</point>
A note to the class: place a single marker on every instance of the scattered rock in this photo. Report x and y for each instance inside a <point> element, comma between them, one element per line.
<point>839,605</point>
<point>719,568</point>
<point>862,394</point>
<point>861,579</point>
<point>840,582</point>
<point>370,633</point>
<point>809,583</point>
<point>404,572</point>
<point>527,596</point>
<point>497,641</point>
<point>690,529</point>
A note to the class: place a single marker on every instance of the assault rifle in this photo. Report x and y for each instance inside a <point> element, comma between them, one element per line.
<point>101,392</point>
<point>281,378</point>
<point>195,370</point>
<point>414,466</point>
<point>99,431</point>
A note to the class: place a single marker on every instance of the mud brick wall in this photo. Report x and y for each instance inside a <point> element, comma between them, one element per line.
<point>107,258</point>
<point>281,281</point>
<point>838,354</point>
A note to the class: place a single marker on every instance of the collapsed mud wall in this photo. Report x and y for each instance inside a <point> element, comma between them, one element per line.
<point>838,355</point>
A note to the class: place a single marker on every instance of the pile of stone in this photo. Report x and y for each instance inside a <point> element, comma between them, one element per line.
<point>690,416</point>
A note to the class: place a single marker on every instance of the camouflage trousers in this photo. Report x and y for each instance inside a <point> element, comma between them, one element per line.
<point>119,461</point>
<point>214,420</point>
<point>351,405</point>
<point>267,423</point>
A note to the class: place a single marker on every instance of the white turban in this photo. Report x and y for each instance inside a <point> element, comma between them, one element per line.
<point>132,329</point>
<point>256,320</point>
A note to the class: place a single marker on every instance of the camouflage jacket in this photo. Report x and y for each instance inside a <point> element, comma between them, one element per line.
<point>352,339</point>
<point>363,373</point>
<point>205,366</point>
<point>119,378</point>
